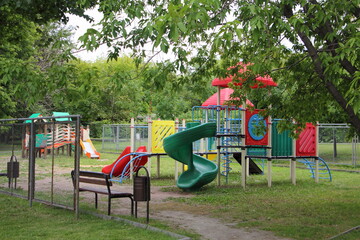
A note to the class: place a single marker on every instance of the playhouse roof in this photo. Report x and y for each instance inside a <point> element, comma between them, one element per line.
<point>263,81</point>
<point>225,95</point>
<point>61,114</point>
<point>34,115</point>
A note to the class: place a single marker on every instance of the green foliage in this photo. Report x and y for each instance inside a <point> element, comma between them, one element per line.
<point>117,90</point>
<point>33,53</point>
<point>17,70</point>
<point>40,11</point>
<point>33,64</point>
<point>310,48</point>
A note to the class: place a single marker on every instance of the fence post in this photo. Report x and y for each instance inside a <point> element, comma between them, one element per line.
<point>149,144</point>
<point>176,162</point>
<point>32,155</point>
<point>354,150</point>
<point>244,165</point>
<point>183,126</point>
<point>317,153</point>
<point>293,164</point>
<point>269,153</point>
<point>132,144</point>
<point>77,165</point>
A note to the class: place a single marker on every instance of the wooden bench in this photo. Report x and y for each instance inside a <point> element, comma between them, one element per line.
<point>87,179</point>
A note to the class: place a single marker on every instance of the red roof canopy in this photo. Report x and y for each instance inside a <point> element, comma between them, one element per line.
<point>264,81</point>
<point>224,96</point>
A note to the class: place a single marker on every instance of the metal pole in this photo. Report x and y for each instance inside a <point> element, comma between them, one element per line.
<point>269,153</point>
<point>317,153</point>
<point>77,166</point>
<point>32,155</point>
<point>244,166</point>
<point>293,164</point>
<point>10,170</point>
<point>334,143</point>
<point>218,157</point>
<point>354,150</point>
<point>176,162</point>
<point>227,141</point>
<point>132,145</point>
<point>183,126</point>
<point>52,162</point>
<point>208,139</point>
<point>103,138</point>
<point>149,144</point>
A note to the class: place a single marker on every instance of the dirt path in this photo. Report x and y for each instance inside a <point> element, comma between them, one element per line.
<point>194,220</point>
<point>211,228</point>
<point>191,218</point>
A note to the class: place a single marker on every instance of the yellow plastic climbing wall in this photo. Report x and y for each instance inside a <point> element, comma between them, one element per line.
<point>160,130</point>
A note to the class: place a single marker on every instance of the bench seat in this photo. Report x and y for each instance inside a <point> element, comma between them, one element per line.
<point>100,179</point>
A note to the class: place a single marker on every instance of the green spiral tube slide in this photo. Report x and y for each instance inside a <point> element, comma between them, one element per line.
<point>179,146</point>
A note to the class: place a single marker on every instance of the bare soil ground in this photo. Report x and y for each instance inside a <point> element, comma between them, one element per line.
<point>162,207</point>
<point>195,218</point>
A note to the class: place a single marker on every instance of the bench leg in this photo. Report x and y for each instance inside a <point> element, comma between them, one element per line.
<point>132,206</point>
<point>96,200</point>
<point>109,205</point>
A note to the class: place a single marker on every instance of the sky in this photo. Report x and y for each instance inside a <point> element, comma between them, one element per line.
<point>80,25</point>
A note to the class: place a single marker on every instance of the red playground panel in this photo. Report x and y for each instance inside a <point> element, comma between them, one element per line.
<point>124,158</point>
<point>119,167</point>
<point>252,119</point>
<point>306,143</point>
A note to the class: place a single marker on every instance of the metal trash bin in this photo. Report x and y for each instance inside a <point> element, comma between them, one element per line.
<point>12,170</point>
<point>142,190</point>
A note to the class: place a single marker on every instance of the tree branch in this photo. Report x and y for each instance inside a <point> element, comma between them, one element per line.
<point>337,95</point>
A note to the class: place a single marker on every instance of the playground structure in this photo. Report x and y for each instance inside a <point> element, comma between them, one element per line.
<point>87,145</point>
<point>58,136</point>
<point>148,139</point>
<point>235,137</point>
<point>229,141</point>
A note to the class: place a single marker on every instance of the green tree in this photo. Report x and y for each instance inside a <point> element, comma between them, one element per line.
<point>17,71</point>
<point>33,51</point>
<point>310,47</point>
<point>40,11</point>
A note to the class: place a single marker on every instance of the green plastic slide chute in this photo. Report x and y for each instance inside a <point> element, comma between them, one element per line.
<point>179,146</point>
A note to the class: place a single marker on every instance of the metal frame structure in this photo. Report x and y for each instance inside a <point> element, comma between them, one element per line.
<point>32,123</point>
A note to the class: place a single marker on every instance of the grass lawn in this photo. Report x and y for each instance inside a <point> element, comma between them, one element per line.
<point>305,211</point>
<point>19,221</point>
<point>344,153</point>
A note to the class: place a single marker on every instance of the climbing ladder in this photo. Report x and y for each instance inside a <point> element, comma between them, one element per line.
<point>324,170</point>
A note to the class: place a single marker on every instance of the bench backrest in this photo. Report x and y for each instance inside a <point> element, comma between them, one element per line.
<point>97,178</point>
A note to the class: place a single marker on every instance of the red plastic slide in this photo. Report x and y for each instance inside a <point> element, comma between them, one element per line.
<point>124,160</point>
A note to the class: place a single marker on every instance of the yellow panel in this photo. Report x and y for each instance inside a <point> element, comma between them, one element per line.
<point>161,130</point>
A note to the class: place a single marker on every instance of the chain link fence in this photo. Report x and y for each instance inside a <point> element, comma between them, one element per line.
<point>36,158</point>
<point>116,137</point>
<point>337,146</point>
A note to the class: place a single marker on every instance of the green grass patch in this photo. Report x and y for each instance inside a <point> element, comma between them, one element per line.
<point>344,153</point>
<point>305,211</point>
<point>19,221</point>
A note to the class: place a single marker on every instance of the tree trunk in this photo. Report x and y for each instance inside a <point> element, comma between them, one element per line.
<point>354,120</point>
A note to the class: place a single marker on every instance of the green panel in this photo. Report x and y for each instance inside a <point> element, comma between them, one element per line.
<point>256,152</point>
<point>61,114</point>
<point>40,140</point>
<point>34,115</point>
<point>281,142</point>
